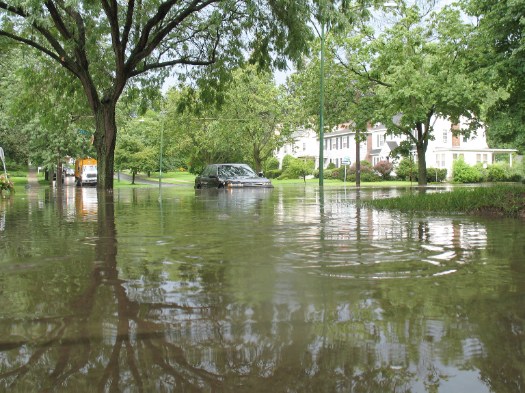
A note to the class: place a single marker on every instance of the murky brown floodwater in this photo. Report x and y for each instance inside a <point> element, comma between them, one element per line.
<point>283,290</point>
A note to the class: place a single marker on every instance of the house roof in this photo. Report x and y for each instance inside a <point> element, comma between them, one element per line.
<point>481,150</point>
<point>392,144</point>
<point>341,132</point>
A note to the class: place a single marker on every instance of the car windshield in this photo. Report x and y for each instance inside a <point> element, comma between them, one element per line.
<point>230,171</point>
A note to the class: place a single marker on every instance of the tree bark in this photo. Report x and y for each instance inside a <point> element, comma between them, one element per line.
<point>421,147</point>
<point>105,139</point>
<point>421,166</point>
<point>257,158</point>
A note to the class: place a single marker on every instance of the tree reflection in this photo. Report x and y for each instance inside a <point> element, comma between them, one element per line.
<point>203,326</point>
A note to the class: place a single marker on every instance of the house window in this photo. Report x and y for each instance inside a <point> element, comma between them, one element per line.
<point>304,146</point>
<point>456,156</point>
<point>440,160</point>
<point>478,158</point>
<point>445,137</point>
<point>380,139</point>
<point>465,139</point>
<point>326,144</point>
<point>334,143</point>
<point>485,158</point>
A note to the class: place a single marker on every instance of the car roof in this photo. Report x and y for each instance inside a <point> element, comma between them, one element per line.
<point>232,164</point>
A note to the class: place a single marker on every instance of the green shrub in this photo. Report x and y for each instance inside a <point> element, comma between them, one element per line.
<point>369,177</point>
<point>287,160</point>
<point>502,172</point>
<point>297,168</point>
<point>350,177</point>
<point>367,173</point>
<point>271,164</point>
<point>464,173</point>
<point>341,172</point>
<point>273,173</point>
<point>497,172</point>
<point>13,166</point>
<point>407,170</point>
<point>331,166</point>
<point>436,175</point>
<point>327,174</point>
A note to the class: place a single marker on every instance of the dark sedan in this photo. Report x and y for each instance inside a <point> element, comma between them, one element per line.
<point>230,176</point>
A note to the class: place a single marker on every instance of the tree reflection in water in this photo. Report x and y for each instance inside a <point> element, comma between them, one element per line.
<point>112,343</point>
<point>341,336</point>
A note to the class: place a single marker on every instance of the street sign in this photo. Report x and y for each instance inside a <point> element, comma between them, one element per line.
<point>83,132</point>
<point>346,160</point>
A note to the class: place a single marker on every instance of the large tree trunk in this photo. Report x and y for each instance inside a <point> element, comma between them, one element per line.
<point>421,165</point>
<point>257,158</point>
<point>105,139</point>
<point>421,146</point>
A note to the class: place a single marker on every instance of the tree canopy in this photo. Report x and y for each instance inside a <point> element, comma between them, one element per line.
<point>109,46</point>
<point>498,52</point>
<point>403,76</point>
<point>253,121</point>
<point>41,113</point>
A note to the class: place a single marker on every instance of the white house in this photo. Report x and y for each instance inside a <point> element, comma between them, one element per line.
<point>340,145</point>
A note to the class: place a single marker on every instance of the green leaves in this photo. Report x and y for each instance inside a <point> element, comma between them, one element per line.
<point>498,48</point>
<point>253,120</point>
<point>111,46</point>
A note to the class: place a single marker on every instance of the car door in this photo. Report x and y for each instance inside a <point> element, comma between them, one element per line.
<point>209,177</point>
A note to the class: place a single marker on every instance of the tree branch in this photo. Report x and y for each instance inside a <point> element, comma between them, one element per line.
<point>362,74</point>
<point>185,61</point>
<point>128,23</point>
<point>154,66</point>
<point>14,10</point>
<point>40,48</point>
<point>59,23</point>
<point>146,45</point>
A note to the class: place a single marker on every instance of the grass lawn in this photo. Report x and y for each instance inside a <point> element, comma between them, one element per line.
<point>188,178</point>
<point>497,200</point>
<point>167,177</point>
<point>19,180</point>
<point>339,183</point>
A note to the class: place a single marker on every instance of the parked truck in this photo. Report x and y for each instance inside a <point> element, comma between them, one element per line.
<point>85,171</point>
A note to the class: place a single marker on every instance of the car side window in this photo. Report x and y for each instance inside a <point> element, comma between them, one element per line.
<point>209,171</point>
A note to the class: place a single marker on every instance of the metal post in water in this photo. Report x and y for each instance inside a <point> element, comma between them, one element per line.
<point>2,157</point>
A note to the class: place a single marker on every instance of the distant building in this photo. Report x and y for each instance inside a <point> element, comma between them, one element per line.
<point>340,146</point>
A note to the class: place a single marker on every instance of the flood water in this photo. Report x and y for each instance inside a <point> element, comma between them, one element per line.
<point>283,290</point>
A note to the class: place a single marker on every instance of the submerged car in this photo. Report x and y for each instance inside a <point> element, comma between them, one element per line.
<point>230,176</point>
